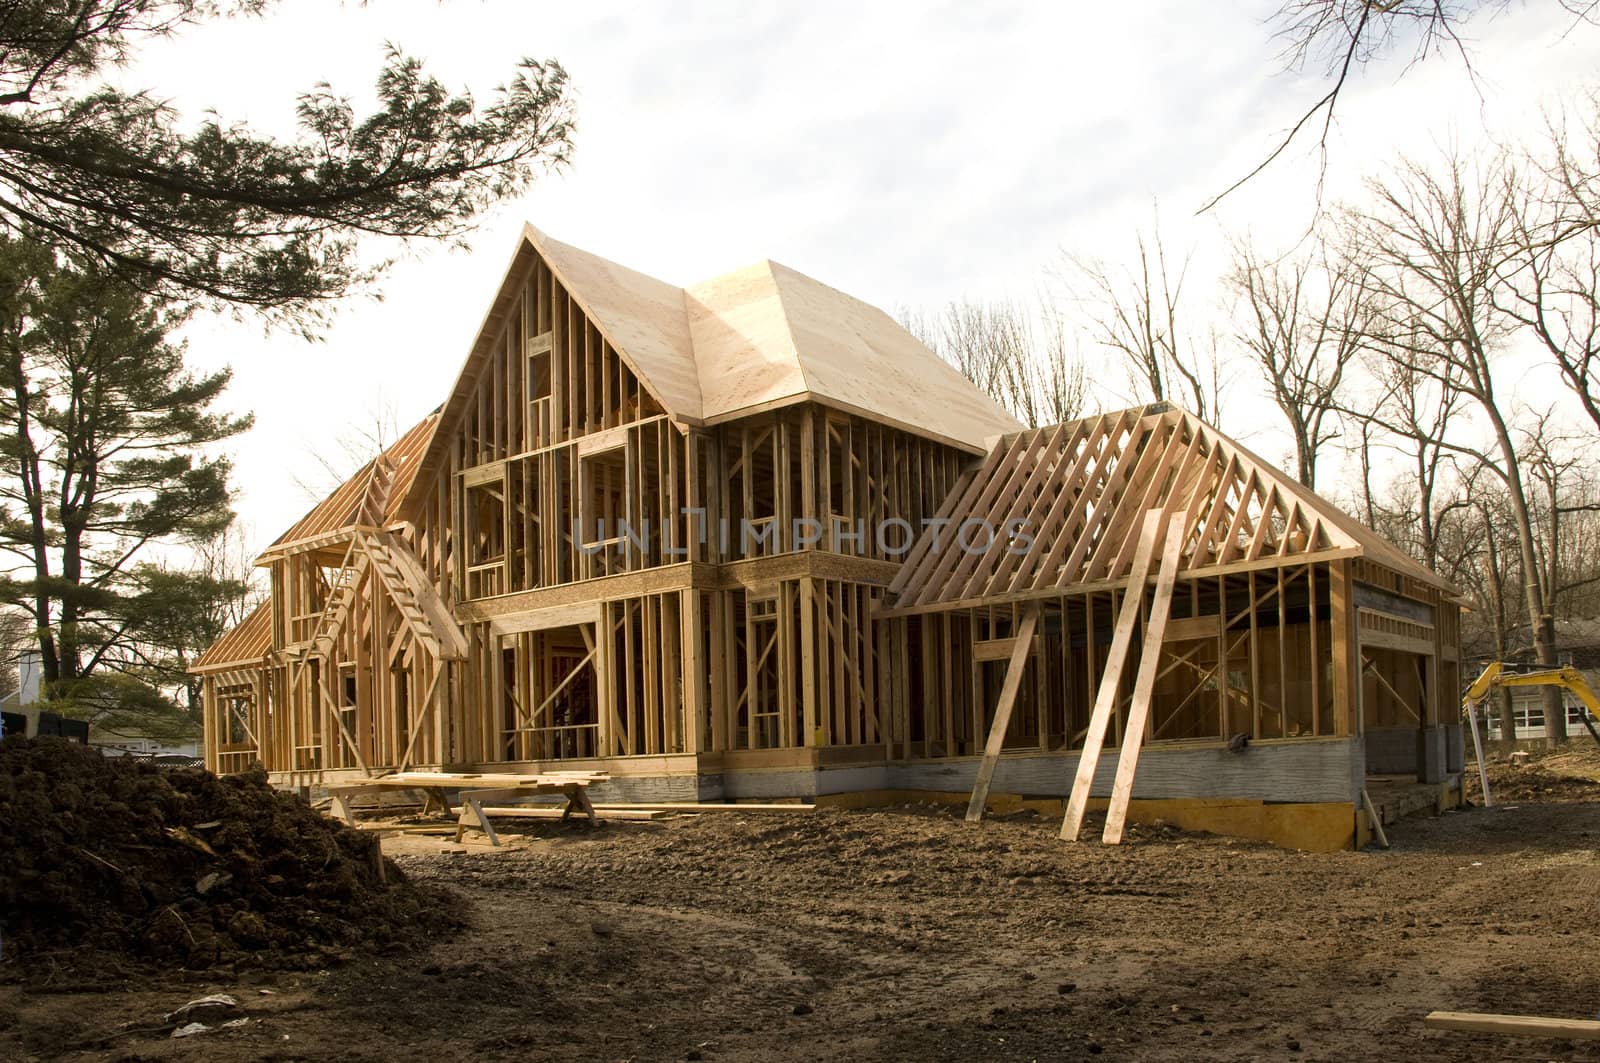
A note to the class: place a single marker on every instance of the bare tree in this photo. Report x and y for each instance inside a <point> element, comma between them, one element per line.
<point>1438,239</point>
<point>351,449</point>
<point>1342,36</point>
<point>997,346</point>
<point>1305,320</point>
<point>1566,514</point>
<point>1412,414</point>
<point>1491,578</point>
<point>1134,312</point>
<point>1552,282</point>
<point>1059,378</point>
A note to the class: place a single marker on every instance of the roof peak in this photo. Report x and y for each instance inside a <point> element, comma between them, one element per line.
<point>766,335</point>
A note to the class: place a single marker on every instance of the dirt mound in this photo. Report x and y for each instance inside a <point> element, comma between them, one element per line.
<point>110,857</point>
<point>1568,775</point>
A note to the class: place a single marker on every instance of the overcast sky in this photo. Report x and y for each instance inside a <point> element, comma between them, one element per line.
<point>909,155</point>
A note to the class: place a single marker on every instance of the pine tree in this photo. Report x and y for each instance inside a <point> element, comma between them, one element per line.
<point>106,440</point>
<point>217,215</point>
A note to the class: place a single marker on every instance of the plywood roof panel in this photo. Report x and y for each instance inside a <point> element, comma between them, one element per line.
<point>744,351</point>
<point>855,355</point>
<point>749,340</point>
<point>643,318</point>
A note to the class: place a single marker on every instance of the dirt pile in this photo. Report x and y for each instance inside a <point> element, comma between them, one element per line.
<point>1573,774</point>
<point>105,857</point>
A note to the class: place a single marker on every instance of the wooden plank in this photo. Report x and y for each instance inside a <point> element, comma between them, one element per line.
<point>553,812</point>
<point>1477,751</point>
<point>1018,663</point>
<point>544,619</point>
<point>1144,685</point>
<point>1346,650</point>
<point>1195,627</point>
<point>713,806</point>
<point>994,649</point>
<point>478,780</point>
<point>1514,1025</point>
<point>1105,701</point>
<point>691,634</point>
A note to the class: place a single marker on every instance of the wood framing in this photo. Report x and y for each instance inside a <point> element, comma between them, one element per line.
<point>749,538</point>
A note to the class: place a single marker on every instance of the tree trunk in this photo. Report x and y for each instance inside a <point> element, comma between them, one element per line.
<point>1495,583</point>
<point>33,492</point>
<point>1540,622</point>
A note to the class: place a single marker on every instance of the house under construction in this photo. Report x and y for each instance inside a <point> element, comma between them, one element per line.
<point>750,539</point>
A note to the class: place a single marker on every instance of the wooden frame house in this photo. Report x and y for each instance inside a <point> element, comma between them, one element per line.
<point>696,537</point>
<point>1277,656</point>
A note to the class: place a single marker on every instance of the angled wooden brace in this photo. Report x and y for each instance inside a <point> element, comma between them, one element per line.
<point>1106,699</point>
<point>1022,645</point>
<point>1149,662</point>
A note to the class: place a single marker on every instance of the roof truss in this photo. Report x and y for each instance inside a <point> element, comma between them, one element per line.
<point>1066,504</point>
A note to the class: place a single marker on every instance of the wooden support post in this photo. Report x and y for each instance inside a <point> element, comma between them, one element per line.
<point>693,674</point>
<point>716,663</point>
<point>1144,685</point>
<point>1020,651</point>
<point>422,715</point>
<point>808,662</point>
<point>1346,648</point>
<point>331,708</point>
<point>1111,678</point>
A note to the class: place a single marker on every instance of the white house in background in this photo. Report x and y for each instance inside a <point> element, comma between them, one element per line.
<point>1527,708</point>
<point>24,706</point>
<point>23,703</point>
<point>1580,649</point>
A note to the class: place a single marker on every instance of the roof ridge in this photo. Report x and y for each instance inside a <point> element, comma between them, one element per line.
<point>807,380</point>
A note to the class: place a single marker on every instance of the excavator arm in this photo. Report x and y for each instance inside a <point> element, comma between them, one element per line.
<point>1495,675</point>
<point>1482,685</point>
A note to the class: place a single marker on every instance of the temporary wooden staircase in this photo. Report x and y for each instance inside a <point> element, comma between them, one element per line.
<point>374,507</point>
<point>373,546</point>
<point>413,594</point>
<point>336,612</point>
<point>375,550</point>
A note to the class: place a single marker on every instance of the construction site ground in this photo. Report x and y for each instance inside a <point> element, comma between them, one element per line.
<point>907,934</point>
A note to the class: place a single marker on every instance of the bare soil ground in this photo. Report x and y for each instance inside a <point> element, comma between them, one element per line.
<point>905,934</point>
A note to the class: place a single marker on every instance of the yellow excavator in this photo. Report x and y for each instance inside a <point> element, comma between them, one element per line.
<point>1497,675</point>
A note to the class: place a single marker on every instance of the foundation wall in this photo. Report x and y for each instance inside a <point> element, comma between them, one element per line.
<point>1392,750</point>
<point>1297,793</point>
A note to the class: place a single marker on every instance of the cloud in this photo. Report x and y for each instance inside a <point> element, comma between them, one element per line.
<point>904,153</point>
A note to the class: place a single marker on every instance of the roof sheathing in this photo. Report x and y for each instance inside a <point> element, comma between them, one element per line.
<point>744,352</point>
<point>856,357</point>
<point>641,317</point>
